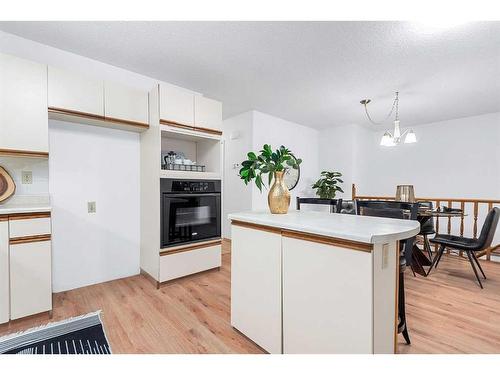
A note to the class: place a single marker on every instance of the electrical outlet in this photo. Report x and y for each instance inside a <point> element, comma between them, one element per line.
<point>27,177</point>
<point>385,256</point>
<point>91,207</point>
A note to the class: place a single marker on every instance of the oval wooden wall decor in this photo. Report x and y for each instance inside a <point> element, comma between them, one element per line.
<point>7,185</point>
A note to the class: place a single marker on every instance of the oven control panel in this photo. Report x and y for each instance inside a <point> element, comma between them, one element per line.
<point>190,186</point>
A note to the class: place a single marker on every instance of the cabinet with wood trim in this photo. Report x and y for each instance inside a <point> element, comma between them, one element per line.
<point>166,264</point>
<point>176,106</point>
<point>75,92</point>
<point>296,291</point>
<point>23,107</point>
<point>125,104</point>
<point>207,113</point>
<point>30,277</point>
<point>180,108</point>
<point>25,265</point>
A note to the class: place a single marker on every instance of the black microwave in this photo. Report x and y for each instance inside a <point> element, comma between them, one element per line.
<point>190,211</point>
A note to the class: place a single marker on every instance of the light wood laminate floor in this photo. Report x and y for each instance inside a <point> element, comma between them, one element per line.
<point>447,312</point>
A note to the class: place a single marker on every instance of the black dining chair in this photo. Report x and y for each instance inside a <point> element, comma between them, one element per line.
<point>427,228</point>
<point>410,212</point>
<point>394,213</point>
<point>335,204</point>
<point>469,245</point>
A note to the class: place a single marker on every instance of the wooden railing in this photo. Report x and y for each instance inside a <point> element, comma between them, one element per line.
<point>474,210</point>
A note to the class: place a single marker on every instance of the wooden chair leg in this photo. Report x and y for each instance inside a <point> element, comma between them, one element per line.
<point>437,258</point>
<point>474,268</point>
<point>478,264</point>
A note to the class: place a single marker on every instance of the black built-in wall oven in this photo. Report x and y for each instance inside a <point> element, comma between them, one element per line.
<point>190,211</point>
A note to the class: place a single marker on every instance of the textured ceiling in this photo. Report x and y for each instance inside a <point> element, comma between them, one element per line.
<point>313,73</point>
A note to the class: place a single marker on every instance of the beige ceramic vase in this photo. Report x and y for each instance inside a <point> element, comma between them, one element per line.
<point>279,196</point>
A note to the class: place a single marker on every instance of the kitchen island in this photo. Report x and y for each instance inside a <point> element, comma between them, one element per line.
<point>314,282</point>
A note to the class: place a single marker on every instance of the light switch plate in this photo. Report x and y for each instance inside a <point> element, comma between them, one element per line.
<point>91,207</point>
<point>26,177</point>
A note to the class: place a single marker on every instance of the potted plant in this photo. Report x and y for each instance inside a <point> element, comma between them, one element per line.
<point>328,185</point>
<point>274,164</point>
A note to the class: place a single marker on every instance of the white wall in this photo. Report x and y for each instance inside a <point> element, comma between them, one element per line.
<point>452,159</point>
<point>456,158</point>
<point>89,163</point>
<point>236,196</point>
<point>254,129</point>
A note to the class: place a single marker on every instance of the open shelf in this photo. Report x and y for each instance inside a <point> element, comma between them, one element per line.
<point>205,150</point>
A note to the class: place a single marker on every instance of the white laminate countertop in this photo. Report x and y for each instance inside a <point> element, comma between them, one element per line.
<point>366,229</point>
<point>25,204</point>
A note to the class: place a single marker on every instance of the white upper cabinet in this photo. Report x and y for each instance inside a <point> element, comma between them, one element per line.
<point>75,92</point>
<point>125,103</point>
<point>207,113</point>
<point>176,105</point>
<point>23,105</point>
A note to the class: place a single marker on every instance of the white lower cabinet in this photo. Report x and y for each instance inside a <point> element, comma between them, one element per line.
<point>321,295</point>
<point>180,264</point>
<point>256,286</point>
<point>4,271</point>
<point>30,278</point>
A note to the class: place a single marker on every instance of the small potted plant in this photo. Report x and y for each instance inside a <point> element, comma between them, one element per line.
<point>328,185</point>
<point>274,164</point>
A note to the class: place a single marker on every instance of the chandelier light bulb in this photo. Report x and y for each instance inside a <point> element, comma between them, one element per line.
<point>387,140</point>
<point>411,137</point>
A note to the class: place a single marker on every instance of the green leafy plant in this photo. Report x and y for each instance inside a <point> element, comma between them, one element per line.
<point>267,162</point>
<point>328,185</point>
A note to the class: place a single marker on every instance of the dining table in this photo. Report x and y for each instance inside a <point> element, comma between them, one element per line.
<point>419,259</point>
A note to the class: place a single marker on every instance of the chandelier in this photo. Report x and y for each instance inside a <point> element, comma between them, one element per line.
<point>396,137</point>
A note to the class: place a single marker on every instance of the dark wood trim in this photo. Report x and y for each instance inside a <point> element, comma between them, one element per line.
<point>264,228</point>
<point>126,122</point>
<point>29,239</point>
<point>163,283</point>
<point>91,116</point>
<point>191,127</point>
<point>4,217</point>
<point>176,124</point>
<point>63,111</point>
<point>29,215</point>
<point>23,153</point>
<point>332,241</point>
<point>190,247</point>
<point>208,130</point>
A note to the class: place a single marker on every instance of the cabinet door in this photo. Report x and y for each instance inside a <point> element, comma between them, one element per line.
<point>207,113</point>
<point>125,103</point>
<point>256,286</point>
<point>176,105</point>
<point>30,278</point>
<point>23,105</point>
<point>4,271</point>
<point>75,92</point>
<point>327,299</point>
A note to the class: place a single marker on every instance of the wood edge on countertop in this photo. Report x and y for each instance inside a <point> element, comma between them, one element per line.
<point>310,237</point>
